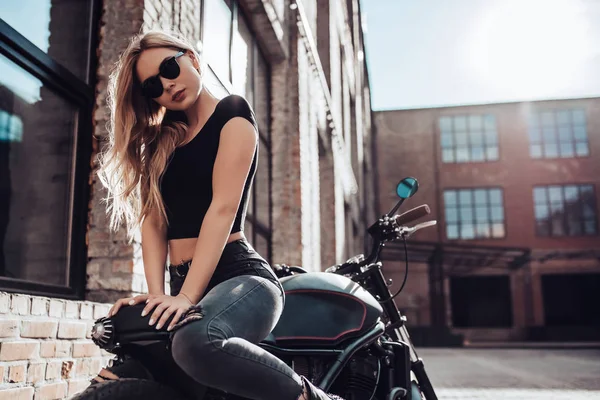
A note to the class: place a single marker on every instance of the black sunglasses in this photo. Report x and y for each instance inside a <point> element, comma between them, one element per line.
<point>169,68</point>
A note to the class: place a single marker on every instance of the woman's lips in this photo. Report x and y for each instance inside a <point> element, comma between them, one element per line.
<point>178,96</point>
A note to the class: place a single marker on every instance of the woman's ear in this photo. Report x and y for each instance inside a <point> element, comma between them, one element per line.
<point>194,59</point>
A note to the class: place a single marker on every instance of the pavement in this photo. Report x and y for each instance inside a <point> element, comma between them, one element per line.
<point>511,374</point>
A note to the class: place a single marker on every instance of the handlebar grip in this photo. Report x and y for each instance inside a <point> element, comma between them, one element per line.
<point>413,214</point>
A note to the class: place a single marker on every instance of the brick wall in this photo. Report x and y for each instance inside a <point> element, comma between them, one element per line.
<point>45,347</point>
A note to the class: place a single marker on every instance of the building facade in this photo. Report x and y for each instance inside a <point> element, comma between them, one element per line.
<point>300,64</point>
<point>514,188</point>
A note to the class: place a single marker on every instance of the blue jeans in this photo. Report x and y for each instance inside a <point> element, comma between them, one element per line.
<point>241,307</point>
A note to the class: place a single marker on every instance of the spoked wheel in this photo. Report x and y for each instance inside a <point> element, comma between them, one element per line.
<point>129,389</point>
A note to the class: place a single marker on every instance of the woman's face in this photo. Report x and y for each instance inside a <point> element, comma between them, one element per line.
<point>178,93</point>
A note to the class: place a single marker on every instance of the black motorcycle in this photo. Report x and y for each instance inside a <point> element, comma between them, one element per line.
<point>340,328</point>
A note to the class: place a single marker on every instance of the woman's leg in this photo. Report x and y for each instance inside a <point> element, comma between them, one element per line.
<point>220,349</point>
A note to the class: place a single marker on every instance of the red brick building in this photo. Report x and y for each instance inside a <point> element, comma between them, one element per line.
<point>514,188</point>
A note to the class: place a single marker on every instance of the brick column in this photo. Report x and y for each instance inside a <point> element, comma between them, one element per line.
<point>111,259</point>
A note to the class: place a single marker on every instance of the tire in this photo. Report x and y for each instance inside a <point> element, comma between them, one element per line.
<point>128,389</point>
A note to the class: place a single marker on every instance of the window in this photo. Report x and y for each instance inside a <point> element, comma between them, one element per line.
<point>247,75</point>
<point>471,138</point>
<point>47,95</point>
<point>568,210</point>
<point>558,134</point>
<point>474,213</point>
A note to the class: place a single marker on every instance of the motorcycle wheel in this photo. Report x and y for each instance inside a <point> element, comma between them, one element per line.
<point>128,389</point>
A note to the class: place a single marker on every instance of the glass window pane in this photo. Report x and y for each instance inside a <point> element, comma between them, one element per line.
<point>541,211</point>
<point>262,187</point>
<point>448,155</point>
<point>217,34</point>
<point>477,153</point>
<point>461,138</point>
<point>573,224</point>
<point>37,171</point>
<point>241,64</point>
<point>491,137</point>
<point>535,150</point>
<point>466,214</point>
<point>262,95</point>
<point>540,195</point>
<point>465,197</point>
<point>534,134</point>
<point>483,230</point>
<point>498,230</point>
<point>564,133</point>
<point>481,197</point>
<point>446,124</point>
<point>581,148</point>
<point>549,134</point>
<point>450,197</point>
<point>579,117</point>
<point>497,214</point>
<point>476,138</point>
<point>467,231</point>
<point>587,210</point>
<point>489,122</point>
<point>492,153</point>
<point>557,225</point>
<point>563,118</point>
<point>571,193</point>
<point>551,150</point>
<point>462,154</point>
<point>555,194</point>
<point>475,122</point>
<point>482,214</point>
<point>451,214</point>
<point>460,123</point>
<point>534,120</point>
<point>59,28</point>
<point>447,140</point>
<point>452,231</point>
<point>547,118</point>
<point>589,227</point>
<point>579,133</point>
<point>566,150</point>
<point>495,196</point>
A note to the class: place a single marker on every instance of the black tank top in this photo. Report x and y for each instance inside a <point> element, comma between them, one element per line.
<point>186,184</point>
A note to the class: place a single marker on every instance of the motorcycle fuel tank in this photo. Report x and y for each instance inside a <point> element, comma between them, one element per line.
<point>323,309</point>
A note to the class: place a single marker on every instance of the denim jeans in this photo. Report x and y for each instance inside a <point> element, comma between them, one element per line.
<point>241,306</point>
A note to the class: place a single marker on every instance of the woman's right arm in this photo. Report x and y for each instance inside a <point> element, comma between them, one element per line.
<point>154,252</point>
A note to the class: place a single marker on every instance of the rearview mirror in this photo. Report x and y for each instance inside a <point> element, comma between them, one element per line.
<point>407,187</point>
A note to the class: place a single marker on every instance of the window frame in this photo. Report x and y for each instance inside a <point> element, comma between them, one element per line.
<point>469,145</point>
<point>488,204</point>
<point>81,94</point>
<point>564,222</point>
<point>258,227</point>
<point>537,114</point>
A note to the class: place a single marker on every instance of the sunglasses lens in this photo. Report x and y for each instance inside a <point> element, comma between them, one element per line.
<point>170,68</point>
<point>152,88</point>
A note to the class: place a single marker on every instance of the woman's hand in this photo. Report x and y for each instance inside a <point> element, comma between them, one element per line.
<point>128,301</point>
<point>164,306</point>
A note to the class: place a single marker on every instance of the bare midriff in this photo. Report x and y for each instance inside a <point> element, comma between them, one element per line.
<point>181,250</point>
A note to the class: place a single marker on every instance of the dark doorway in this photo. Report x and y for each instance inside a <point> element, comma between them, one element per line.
<point>481,302</point>
<point>571,300</point>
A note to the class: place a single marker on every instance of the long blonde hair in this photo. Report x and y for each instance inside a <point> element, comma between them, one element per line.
<point>142,136</point>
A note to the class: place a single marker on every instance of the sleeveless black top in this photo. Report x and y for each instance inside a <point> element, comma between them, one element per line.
<point>186,184</point>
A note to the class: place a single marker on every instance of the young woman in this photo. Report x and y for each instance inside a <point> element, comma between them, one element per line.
<point>179,165</point>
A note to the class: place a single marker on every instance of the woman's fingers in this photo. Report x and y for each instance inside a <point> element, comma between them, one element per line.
<point>157,313</point>
<point>150,304</point>
<point>138,299</point>
<point>165,316</point>
<point>118,304</point>
<point>176,318</point>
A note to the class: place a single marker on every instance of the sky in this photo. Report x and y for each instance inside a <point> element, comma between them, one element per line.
<point>429,53</point>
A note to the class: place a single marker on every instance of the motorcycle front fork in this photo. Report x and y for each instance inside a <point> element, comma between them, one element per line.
<point>417,366</point>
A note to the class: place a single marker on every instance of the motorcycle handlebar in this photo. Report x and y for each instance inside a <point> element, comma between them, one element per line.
<point>412,214</point>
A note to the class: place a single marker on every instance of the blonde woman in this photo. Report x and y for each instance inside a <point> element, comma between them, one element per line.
<point>179,165</point>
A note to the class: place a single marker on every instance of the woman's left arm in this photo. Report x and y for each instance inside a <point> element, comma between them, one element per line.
<point>237,145</point>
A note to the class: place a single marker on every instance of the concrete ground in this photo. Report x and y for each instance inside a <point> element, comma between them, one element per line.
<point>511,374</point>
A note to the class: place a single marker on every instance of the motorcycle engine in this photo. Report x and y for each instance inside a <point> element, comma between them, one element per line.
<point>357,381</point>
